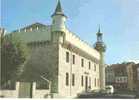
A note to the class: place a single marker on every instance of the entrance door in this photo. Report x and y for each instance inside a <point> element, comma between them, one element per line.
<point>86,83</point>
<point>25,90</point>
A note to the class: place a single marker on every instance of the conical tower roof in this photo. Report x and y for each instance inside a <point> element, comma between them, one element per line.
<point>99,33</point>
<point>58,10</point>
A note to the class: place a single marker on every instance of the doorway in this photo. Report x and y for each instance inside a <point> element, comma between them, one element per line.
<point>86,83</point>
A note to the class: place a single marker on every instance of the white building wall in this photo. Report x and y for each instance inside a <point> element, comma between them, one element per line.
<point>62,69</point>
<point>73,39</point>
<point>77,70</point>
<point>58,23</point>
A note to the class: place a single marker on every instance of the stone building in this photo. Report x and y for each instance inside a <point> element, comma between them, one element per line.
<point>123,76</point>
<point>60,56</point>
<point>110,77</point>
<point>135,70</point>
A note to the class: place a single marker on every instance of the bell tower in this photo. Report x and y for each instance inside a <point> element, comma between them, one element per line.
<point>58,24</point>
<point>101,48</point>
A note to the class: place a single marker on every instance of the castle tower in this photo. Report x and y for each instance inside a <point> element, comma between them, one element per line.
<point>58,24</point>
<point>101,48</point>
<point>59,18</point>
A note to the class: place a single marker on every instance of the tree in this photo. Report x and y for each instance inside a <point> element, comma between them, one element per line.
<point>14,53</point>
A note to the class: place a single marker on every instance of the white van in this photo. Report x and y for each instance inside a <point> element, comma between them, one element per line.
<point>109,89</point>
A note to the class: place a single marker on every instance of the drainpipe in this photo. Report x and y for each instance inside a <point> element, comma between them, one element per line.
<point>70,49</point>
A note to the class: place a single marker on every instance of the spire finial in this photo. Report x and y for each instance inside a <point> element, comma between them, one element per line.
<point>99,29</point>
<point>58,10</point>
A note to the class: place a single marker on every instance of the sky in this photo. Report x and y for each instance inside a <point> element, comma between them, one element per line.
<point>118,20</point>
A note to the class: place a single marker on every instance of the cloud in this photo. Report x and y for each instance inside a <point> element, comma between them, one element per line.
<point>135,61</point>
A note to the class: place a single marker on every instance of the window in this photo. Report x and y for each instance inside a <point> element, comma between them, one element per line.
<point>67,79</point>
<point>73,59</point>
<point>82,62</point>
<point>67,56</point>
<point>89,64</point>
<point>82,80</point>
<point>94,67</point>
<point>73,79</point>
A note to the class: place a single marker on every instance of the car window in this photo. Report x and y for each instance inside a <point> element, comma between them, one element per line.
<point>108,88</point>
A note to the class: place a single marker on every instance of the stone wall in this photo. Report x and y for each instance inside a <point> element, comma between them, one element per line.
<point>42,94</point>
<point>10,93</point>
<point>43,61</point>
<point>42,34</point>
<point>36,93</point>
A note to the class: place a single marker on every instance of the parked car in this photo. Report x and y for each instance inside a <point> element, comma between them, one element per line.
<point>109,89</point>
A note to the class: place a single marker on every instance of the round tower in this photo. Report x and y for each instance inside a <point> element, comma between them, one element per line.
<point>101,48</point>
<point>58,24</point>
<point>58,19</point>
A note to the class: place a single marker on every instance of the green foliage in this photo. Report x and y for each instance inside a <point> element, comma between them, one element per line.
<point>13,56</point>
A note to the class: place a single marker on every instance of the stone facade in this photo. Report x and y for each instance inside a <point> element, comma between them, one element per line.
<point>75,68</point>
<point>123,76</point>
<point>48,59</point>
<point>72,65</point>
<point>43,61</point>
